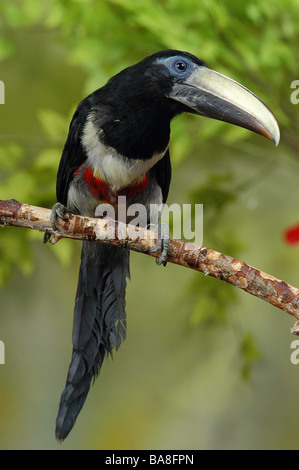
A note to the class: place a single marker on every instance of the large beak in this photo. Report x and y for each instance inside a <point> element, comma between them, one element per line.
<point>211,94</point>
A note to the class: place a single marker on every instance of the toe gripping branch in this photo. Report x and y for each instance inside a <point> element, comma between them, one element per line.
<point>57,210</point>
<point>163,240</point>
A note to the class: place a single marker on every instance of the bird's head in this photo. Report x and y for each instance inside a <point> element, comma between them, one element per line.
<point>181,82</point>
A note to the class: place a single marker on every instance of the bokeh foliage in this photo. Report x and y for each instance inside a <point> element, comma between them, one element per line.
<point>254,42</point>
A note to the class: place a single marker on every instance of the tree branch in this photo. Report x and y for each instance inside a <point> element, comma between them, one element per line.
<point>210,262</point>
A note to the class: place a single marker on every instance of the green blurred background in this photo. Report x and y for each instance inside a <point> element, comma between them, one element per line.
<point>204,366</point>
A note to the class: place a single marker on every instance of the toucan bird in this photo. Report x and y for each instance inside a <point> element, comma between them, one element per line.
<point>118,145</point>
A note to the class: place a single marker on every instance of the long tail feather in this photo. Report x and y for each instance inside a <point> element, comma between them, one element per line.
<point>99,325</point>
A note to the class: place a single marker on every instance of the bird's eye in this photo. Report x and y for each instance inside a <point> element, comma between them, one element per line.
<point>180,66</point>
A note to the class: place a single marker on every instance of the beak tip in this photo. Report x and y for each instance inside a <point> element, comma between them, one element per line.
<point>271,131</point>
<point>276,137</point>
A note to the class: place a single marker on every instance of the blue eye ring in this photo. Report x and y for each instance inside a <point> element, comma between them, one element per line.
<point>180,66</point>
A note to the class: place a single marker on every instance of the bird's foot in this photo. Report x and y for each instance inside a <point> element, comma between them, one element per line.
<point>162,243</point>
<point>57,210</point>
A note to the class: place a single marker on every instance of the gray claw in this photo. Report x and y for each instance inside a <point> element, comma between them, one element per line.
<point>57,210</point>
<point>162,244</point>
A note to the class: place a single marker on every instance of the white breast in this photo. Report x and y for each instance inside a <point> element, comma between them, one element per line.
<point>111,166</point>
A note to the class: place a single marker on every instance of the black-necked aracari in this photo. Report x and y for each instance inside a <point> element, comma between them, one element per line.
<point>118,145</point>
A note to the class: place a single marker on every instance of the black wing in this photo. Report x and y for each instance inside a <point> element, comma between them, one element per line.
<point>73,155</point>
<point>162,172</point>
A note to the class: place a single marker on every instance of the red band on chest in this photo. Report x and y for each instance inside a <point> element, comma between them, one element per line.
<point>97,187</point>
<point>101,190</point>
